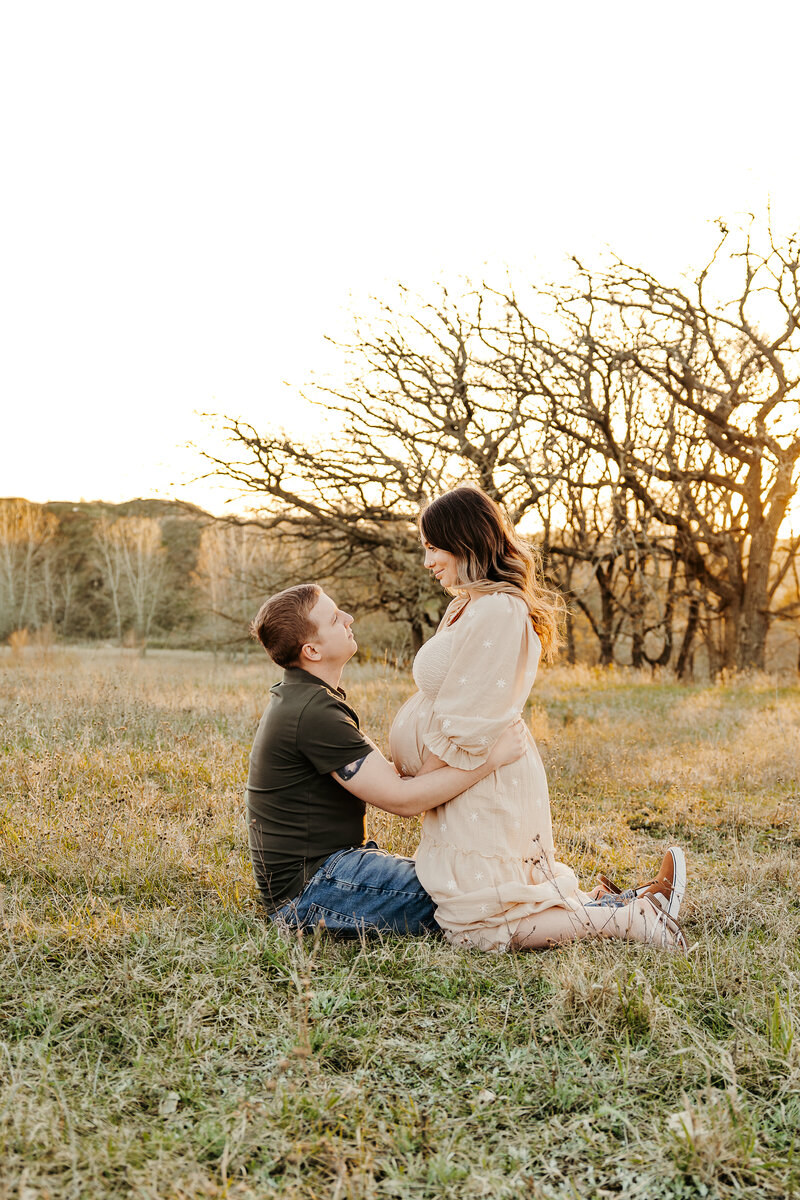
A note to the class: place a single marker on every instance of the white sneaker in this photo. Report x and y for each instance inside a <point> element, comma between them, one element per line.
<point>666,933</point>
<point>669,886</point>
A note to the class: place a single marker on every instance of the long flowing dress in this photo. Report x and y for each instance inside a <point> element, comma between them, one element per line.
<point>486,857</point>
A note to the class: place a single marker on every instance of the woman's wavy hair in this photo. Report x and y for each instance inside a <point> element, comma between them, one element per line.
<point>491,556</point>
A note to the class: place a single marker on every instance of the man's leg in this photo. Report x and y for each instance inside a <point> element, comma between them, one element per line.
<point>366,890</point>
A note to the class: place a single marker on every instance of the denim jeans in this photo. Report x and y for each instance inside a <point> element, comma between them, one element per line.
<point>361,891</point>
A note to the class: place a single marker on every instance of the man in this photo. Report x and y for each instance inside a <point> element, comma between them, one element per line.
<point>312,773</point>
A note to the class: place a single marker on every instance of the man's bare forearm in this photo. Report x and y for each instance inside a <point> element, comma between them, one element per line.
<point>432,763</point>
<point>375,781</point>
<point>434,787</point>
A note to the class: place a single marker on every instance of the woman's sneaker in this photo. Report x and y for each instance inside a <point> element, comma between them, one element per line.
<point>666,890</point>
<point>666,933</point>
<point>669,886</point>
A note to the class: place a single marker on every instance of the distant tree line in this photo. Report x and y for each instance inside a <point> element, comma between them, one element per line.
<point>159,573</point>
<point>136,573</point>
<point>645,435</point>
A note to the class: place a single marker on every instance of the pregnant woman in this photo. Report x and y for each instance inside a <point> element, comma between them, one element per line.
<point>487,857</point>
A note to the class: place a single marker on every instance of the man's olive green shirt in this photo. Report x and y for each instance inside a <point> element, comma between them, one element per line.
<point>297,813</point>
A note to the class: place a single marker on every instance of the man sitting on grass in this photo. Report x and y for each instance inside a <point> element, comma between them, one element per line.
<point>312,773</point>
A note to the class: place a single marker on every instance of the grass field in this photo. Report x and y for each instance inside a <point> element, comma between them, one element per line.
<point>159,1039</point>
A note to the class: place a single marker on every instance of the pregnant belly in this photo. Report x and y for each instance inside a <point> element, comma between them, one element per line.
<point>408,729</point>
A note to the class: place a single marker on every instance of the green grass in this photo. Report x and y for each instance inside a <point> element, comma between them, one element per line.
<point>159,1039</point>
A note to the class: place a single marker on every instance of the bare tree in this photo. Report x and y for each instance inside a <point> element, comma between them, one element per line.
<point>26,533</point>
<point>109,562</point>
<point>651,433</point>
<point>131,557</point>
<point>620,573</point>
<point>787,597</point>
<point>59,586</point>
<point>695,411</point>
<point>237,566</point>
<point>425,407</point>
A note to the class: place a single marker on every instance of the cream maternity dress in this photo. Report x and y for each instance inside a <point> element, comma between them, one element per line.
<point>486,857</point>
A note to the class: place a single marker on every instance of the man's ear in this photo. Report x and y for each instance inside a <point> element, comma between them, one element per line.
<point>310,651</point>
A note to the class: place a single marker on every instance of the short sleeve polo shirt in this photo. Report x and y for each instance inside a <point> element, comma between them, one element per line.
<point>297,813</point>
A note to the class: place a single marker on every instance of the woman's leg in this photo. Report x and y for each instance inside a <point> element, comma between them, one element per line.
<point>635,922</point>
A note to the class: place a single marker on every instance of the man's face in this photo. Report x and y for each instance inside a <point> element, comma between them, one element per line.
<point>334,641</point>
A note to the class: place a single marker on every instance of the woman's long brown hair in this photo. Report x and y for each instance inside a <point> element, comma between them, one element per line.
<point>491,557</point>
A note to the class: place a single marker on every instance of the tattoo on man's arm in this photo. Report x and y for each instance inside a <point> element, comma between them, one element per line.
<point>351,769</point>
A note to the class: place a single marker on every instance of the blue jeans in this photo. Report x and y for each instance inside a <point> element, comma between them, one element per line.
<point>361,891</point>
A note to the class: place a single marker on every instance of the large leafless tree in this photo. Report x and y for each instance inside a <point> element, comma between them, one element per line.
<point>649,433</point>
<point>690,400</point>
<point>424,407</point>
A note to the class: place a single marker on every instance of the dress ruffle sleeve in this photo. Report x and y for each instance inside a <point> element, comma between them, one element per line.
<point>492,667</point>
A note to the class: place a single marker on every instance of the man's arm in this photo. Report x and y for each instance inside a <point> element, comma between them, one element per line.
<point>432,762</point>
<point>375,780</point>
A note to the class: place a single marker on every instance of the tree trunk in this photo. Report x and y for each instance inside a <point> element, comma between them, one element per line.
<point>636,606</point>
<point>417,636</point>
<point>685,663</point>
<point>662,659</point>
<point>606,647</point>
<point>570,631</point>
<point>605,632</point>
<point>753,615</point>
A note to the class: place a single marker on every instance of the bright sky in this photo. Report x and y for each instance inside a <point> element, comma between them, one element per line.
<point>196,193</point>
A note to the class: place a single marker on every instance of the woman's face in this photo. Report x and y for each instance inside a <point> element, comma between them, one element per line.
<point>441,564</point>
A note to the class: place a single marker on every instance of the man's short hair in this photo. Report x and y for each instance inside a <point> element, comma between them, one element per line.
<point>283,624</point>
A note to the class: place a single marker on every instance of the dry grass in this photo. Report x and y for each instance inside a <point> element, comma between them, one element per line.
<point>159,1039</point>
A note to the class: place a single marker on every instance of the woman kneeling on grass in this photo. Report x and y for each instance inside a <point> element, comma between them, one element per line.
<point>487,858</point>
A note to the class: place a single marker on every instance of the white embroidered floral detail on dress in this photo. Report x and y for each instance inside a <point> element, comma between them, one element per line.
<point>488,644</point>
<point>446,724</point>
<point>452,885</point>
<point>501,683</point>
